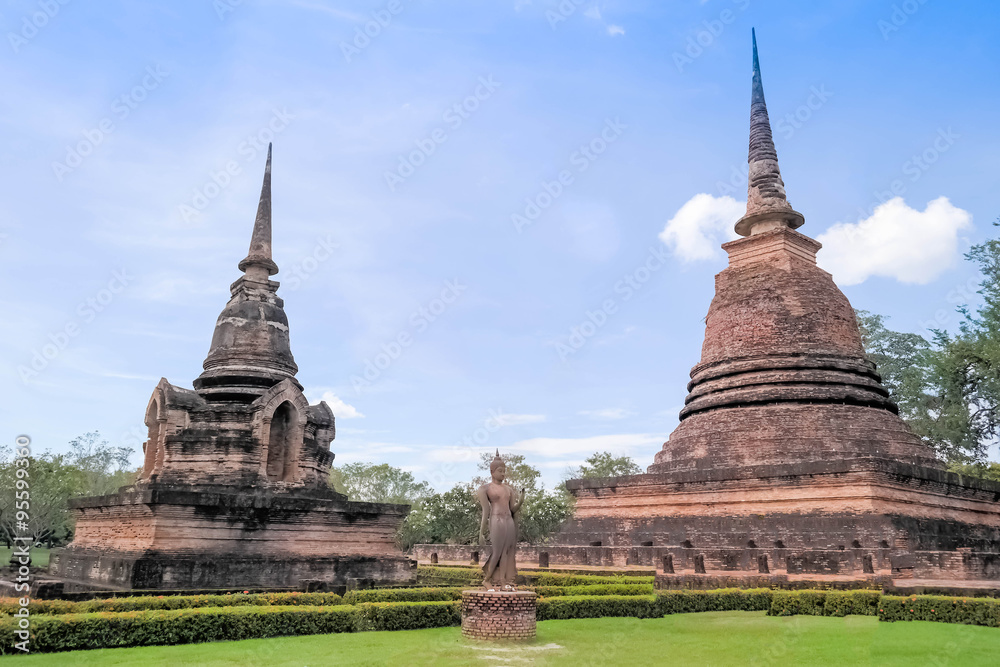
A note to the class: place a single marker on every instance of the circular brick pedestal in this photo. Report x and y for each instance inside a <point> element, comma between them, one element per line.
<point>498,615</point>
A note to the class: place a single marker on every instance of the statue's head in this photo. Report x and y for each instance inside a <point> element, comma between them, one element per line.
<point>498,468</point>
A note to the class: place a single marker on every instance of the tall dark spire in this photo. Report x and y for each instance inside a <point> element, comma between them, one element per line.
<point>767,206</point>
<point>260,242</point>
<point>250,349</point>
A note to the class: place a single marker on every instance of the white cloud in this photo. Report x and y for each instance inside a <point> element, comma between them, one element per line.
<point>514,420</point>
<point>607,413</point>
<point>615,30</point>
<point>895,242</point>
<point>616,444</point>
<point>340,409</point>
<point>700,225</point>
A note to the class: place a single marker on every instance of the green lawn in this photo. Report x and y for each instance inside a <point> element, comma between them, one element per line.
<point>39,557</point>
<point>716,638</point>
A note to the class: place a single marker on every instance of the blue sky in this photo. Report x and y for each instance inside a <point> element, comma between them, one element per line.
<point>132,162</point>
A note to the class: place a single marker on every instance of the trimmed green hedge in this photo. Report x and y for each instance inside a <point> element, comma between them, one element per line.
<point>404,595</point>
<point>71,632</point>
<point>824,603</point>
<point>599,589</point>
<point>722,599</point>
<point>449,576</point>
<point>968,611</point>
<point>598,606</point>
<point>561,579</point>
<point>653,606</point>
<point>152,602</point>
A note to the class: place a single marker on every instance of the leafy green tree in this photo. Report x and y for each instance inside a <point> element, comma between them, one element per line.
<point>443,518</point>
<point>381,483</point>
<point>604,464</point>
<point>967,368</point>
<point>103,469</point>
<point>92,467</point>
<point>989,471</point>
<point>543,513</point>
<point>519,474</point>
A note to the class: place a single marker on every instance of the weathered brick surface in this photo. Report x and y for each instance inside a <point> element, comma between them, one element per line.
<point>790,463</point>
<point>233,490</point>
<point>498,615</point>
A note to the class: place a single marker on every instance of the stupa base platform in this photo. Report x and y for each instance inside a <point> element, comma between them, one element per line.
<point>170,537</point>
<point>82,570</point>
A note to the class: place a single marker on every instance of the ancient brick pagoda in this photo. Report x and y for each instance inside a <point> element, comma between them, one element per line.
<point>790,462</point>
<point>233,490</point>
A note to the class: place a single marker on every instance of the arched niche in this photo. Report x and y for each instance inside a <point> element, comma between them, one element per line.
<point>155,422</point>
<point>279,426</point>
<point>282,447</point>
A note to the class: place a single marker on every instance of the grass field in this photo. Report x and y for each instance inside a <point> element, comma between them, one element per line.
<point>716,638</point>
<point>39,557</point>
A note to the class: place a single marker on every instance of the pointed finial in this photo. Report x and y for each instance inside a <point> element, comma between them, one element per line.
<point>496,462</point>
<point>260,242</point>
<point>767,206</point>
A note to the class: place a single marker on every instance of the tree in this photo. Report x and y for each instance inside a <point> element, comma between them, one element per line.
<point>989,471</point>
<point>603,464</point>
<point>543,512</point>
<point>443,518</point>
<point>519,474</point>
<point>967,368</point>
<point>948,389</point>
<point>103,468</point>
<point>382,483</point>
<point>92,467</point>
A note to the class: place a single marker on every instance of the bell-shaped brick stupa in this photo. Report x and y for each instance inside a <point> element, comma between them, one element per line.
<point>790,463</point>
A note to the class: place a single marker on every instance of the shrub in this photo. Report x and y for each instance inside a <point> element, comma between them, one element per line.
<point>71,632</point>
<point>723,599</point>
<point>561,579</point>
<point>599,589</point>
<point>598,606</point>
<point>403,595</point>
<point>408,615</point>
<point>794,603</point>
<point>824,603</point>
<point>151,602</point>
<point>968,611</point>
<point>449,576</point>
<point>851,603</point>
